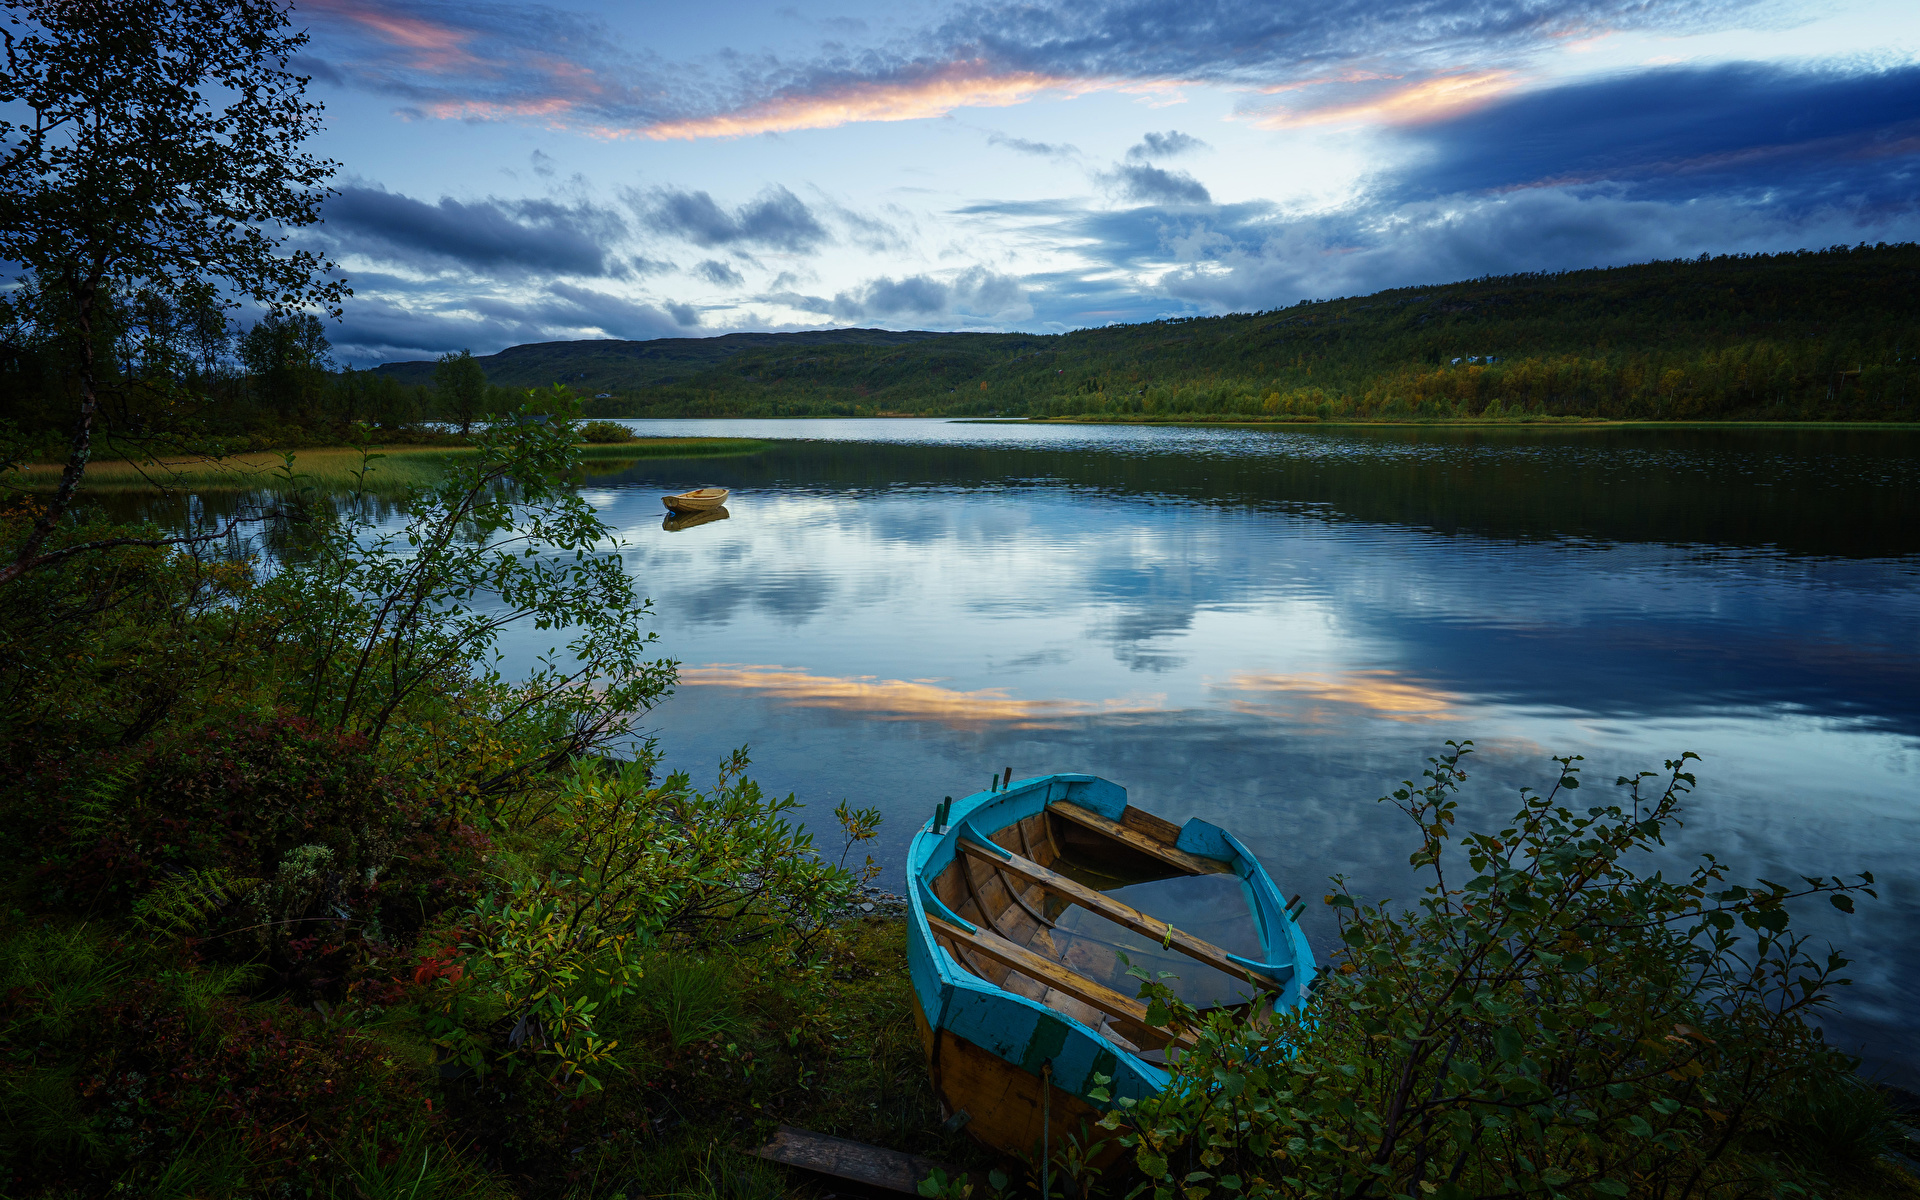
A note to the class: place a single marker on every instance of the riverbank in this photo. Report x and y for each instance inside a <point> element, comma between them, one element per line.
<point>335,467</point>
<point>1526,421</point>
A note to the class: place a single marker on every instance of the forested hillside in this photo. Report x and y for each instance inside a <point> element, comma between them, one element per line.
<point>1830,334</point>
<point>1810,334</point>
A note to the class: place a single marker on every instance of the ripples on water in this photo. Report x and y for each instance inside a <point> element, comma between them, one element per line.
<point>1269,629</point>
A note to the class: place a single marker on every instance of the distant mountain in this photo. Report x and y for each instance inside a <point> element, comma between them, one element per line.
<point>1830,334</point>
<point>601,365</point>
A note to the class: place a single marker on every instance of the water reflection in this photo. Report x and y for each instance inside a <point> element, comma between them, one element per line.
<point>1271,629</point>
<point>675,522</point>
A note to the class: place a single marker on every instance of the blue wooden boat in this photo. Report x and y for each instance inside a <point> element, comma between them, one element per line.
<point>1024,912</point>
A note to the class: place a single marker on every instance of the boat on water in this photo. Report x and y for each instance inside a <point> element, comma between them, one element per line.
<point>1028,902</point>
<point>697,500</point>
<point>675,522</point>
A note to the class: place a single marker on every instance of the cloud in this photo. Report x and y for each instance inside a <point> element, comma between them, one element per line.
<point>540,235</point>
<point>910,699</point>
<point>1040,149</point>
<point>391,323</point>
<point>1394,101</point>
<point>975,292</point>
<point>449,59</point>
<point>531,63</point>
<point>718,273</point>
<point>1152,185</point>
<point>871,233</point>
<point>911,93</point>
<point>1165,145</point>
<point>542,163</point>
<point>684,314</point>
<point>1783,135</point>
<point>776,220</point>
<point>1386,694</point>
<point>1658,164</point>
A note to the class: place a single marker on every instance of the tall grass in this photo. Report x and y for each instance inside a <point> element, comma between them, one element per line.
<point>691,999</point>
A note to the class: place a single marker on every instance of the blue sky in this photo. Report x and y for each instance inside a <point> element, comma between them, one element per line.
<point>519,173</point>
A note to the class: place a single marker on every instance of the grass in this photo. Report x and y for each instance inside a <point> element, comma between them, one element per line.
<point>333,467</point>
<point>727,1053</point>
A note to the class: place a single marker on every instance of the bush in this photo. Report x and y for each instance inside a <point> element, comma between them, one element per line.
<point>605,431</point>
<point>1841,1124</point>
<point>1558,1023</point>
<point>632,865</point>
<point>269,841</point>
<point>249,797</point>
<point>158,1082</point>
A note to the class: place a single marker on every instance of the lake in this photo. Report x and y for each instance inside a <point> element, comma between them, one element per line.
<point>1271,628</point>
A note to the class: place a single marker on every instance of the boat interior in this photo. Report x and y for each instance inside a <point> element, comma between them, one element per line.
<point>1057,902</point>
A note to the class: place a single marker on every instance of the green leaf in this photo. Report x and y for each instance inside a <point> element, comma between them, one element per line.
<point>1610,1187</point>
<point>1842,901</point>
<point>1506,1043</point>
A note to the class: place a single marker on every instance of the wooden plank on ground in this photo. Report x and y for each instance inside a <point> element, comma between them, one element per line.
<point>1134,839</point>
<point>1093,994</point>
<point>844,1159</point>
<point>1122,914</point>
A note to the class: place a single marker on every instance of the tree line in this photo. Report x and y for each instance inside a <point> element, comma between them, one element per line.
<point>178,373</point>
<point>1821,334</point>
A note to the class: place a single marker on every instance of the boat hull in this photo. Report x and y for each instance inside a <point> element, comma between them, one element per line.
<point>1004,1108</point>
<point>989,1046</point>
<point>695,502</point>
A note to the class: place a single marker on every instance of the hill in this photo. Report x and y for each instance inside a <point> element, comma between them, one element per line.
<point>1831,334</point>
<point>591,366</point>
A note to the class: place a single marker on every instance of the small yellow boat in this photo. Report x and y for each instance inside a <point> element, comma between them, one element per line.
<point>697,500</point>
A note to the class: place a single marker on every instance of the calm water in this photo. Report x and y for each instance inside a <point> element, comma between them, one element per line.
<point>1270,629</point>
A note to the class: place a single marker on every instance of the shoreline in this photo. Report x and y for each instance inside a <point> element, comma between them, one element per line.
<point>1436,422</point>
<point>1551,422</point>
<point>395,466</point>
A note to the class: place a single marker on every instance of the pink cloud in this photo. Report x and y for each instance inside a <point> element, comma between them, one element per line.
<point>957,85</point>
<point>1410,104</point>
<point>438,48</point>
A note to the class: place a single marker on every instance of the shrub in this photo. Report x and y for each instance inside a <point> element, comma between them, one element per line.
<point>266,840</point>
<point>1559,1022</point>
<point>632,865</point>
<point>1840,1123</point>
<point>300,808</point>
<point>605,431</point>
<point>160,1083</point>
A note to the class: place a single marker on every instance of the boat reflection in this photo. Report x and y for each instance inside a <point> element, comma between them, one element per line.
<point>675,522</point>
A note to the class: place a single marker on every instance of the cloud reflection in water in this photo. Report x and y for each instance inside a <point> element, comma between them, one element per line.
<point>910,699</point>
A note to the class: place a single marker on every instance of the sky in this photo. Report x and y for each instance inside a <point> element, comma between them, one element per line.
<point>513,173</point>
